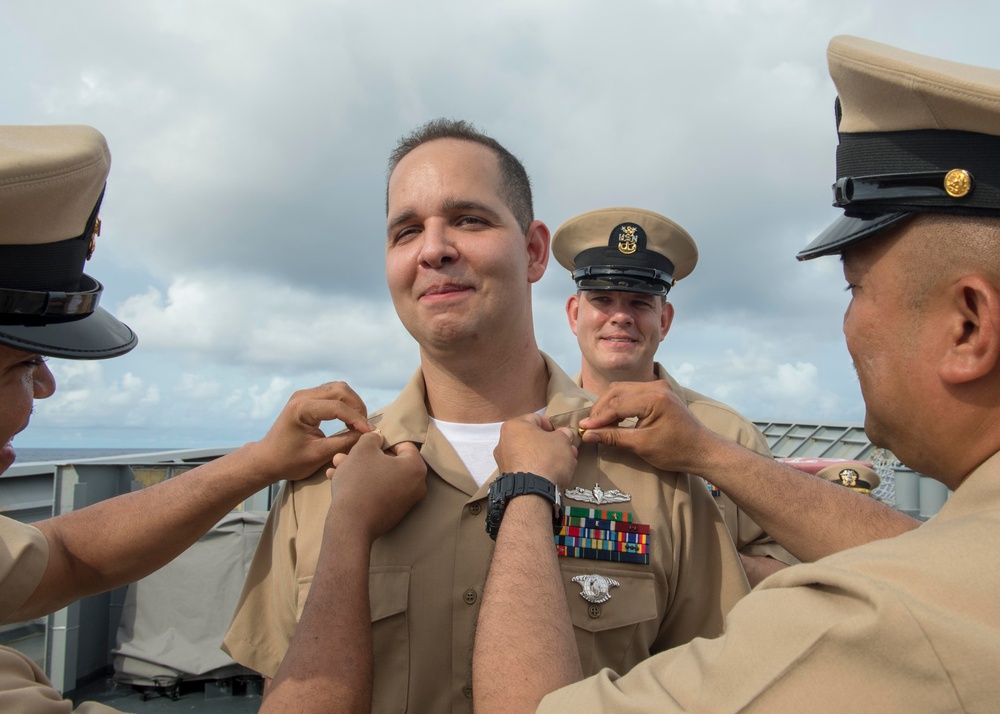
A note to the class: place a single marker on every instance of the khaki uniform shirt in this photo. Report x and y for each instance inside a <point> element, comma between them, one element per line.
<point>427,574</point>
<point>726,421</point>
<point>24,688</point>
<point>907,624</point>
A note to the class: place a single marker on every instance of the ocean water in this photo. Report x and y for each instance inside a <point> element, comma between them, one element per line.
<point>26,455</point>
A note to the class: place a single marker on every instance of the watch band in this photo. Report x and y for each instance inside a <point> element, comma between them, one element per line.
<point>510,485</point>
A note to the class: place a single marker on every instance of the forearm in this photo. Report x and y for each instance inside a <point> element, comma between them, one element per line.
<point>811,518</point>
<point>123,539</point>
<point>328,666</point>
<point>524,612</point>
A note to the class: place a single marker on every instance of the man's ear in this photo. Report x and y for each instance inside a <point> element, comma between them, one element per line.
<point>573,311</point>
<point>972,330</point>
<point>537,237</point>
<point>666,318</point>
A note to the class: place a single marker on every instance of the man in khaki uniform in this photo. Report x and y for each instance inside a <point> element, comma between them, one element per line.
<point>624,262</point>
<point>462,252</point>
<point>909,623</point>
<point>53,181</point>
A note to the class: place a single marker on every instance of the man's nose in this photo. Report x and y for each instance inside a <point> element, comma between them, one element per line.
<point>43,381</point>
<point>438,246</point>
<point>621,316</point>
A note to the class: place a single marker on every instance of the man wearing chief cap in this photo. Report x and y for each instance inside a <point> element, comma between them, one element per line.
<point>624,262</point>
<point>51,185</point>
<point>905,623</point>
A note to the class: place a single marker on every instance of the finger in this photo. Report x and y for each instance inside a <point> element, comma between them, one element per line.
<point>339,391</point>
<point>611,436</point>
<point>612,408</point>
<point>405,448</point>
<point>568,433</point>
<point>330,473</point>
<point>339,458</point>
<point>371,442</point>
<point>339,443</point>
<point>316,411</point>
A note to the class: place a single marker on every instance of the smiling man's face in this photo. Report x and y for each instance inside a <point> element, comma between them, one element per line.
<point>619,332</point>
<point>458,266</point>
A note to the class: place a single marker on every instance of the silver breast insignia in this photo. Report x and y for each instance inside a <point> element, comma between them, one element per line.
<point>596,588</point>
<point>598,495</point>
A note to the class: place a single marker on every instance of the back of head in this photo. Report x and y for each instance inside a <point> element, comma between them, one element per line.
<point>516,186</point>
<point>52,182</point>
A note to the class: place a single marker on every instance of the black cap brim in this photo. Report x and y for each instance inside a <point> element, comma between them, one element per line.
<point>847,230</point>
<point>97,336</point>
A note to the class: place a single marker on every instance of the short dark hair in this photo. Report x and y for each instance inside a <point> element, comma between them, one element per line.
<point>515,186</point>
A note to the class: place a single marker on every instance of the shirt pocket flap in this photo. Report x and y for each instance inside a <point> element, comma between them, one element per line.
<point>631,601</point>
<point>388,590</point>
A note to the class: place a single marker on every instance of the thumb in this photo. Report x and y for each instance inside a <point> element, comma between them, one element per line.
<point>611,436</point>
<point>568,433</point>
<point>406,448</point>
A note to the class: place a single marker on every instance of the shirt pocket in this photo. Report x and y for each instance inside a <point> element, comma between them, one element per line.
<point>389,593</point>
<point>620,632</point>
<point>388,597</point>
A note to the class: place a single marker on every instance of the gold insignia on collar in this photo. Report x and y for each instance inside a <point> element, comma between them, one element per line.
<point>628,240</point>
<point>957,183</point>
<point>848,477</point>
<point>92,246</point>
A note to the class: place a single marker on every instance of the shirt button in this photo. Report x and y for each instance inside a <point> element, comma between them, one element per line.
<point>594,611</point>
<point>467,691</point>
<point>475,509</point>
<point>470,597</point>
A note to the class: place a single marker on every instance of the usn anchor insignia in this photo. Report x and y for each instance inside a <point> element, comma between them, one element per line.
<point>598,495</point>
<point>628,238</point>
<point>595,588</point>
<point>848,477</point>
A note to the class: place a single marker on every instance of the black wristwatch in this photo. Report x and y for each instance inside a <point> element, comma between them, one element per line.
<point>511,485</point>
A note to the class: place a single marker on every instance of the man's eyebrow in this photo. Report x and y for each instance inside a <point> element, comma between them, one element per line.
<point>453,204</point>
<point>401,218</point>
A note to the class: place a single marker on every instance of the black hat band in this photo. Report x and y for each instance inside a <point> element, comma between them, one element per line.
<point>17,304</point>
<point>926,170</point>
<point>54,266</point>
<point>623,279</point>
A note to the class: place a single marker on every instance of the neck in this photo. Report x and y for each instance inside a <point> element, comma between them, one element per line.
<point>597,382</point>
<point>474,388</point>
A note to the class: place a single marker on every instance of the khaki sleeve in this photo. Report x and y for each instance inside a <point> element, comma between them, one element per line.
<point>706,578</point>
<point>25,688</point>
<point>24,553</point>
<point>266,614</point>
<point>835,644</point>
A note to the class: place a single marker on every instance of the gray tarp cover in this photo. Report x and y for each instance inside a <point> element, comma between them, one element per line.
<point>174,620</point>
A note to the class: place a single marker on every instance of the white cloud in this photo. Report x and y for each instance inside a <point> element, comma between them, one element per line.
<point>244,220</point>
<point>85,396</point>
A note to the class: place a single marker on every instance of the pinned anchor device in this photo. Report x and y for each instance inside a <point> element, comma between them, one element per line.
<point>595,588</point>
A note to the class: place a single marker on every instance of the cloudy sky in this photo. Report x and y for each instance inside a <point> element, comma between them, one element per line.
<point>244,222</point>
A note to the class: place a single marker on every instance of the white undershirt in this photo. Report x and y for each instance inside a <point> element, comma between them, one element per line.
<point>474,444</point>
